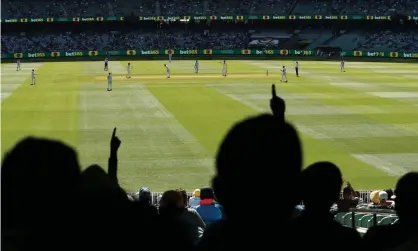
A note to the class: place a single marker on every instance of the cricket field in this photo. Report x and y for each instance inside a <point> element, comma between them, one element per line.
<point>365,119</point>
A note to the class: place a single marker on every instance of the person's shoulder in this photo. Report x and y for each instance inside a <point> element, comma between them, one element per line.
<point>218,205</point>
<point>217,226</point>
<point>349,232</point>
<point>381,231</point>
<point>192,210</point>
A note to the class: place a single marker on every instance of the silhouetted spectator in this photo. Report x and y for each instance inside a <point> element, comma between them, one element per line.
<point>402,235</point>
<point>192,217</point>
<point>208,208</point>
<point>106,212</point>
<point>258,153</point>
<point>39,196</point>
<point>170,230</point>
<point>349,200</point>
<point>316,228</point>
<point>143,206</point>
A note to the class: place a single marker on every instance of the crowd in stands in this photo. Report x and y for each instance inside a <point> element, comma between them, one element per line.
<point>73,41</point>
<point>177,39</point>
<point>68,8</point>
<point>49,203</point>
<point>390,41</point>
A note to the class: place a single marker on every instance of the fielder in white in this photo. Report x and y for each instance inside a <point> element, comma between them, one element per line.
<point>109,82</point>
<point>128,70</point>
<point>224,68</point>
<point>284,77</point>
<point>168,71</point>
<point>18,65</point>
<point>196,67</point>
<point>33,78</point>
<point>342,66</point>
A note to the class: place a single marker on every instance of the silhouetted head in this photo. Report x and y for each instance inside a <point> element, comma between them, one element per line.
<point>258,153</point>
<point>39,181</point>
<point>207,193</point>
<point>144,195</point>
<point>347,192</point>
<point>320,176</point>
<point>165,65</point>
<point>171,203</point>
<point>183,194</point>
<point>406,201</point>
<point>129,63</point>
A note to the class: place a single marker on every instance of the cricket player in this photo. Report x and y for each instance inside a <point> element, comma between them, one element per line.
<point>297,68</point>
<point>18,65</point>
<point>33,78</point>
<point>106,64</point>
<point>109,82</point>
<point>168,70</point>
<point>284,77</point>
<point>342,66</point>
<point>224,68</point>
<point>170,55</point>
<point>196,67</point>
<point>128,70</point>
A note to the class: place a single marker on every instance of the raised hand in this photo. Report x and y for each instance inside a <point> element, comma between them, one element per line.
<point>114,142</point>
<point>277,104</point>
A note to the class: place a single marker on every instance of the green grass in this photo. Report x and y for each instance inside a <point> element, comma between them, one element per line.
<point>365,120</point>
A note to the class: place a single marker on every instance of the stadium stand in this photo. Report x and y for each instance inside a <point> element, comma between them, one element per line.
<point>21,8</point>
<point>177,39</point>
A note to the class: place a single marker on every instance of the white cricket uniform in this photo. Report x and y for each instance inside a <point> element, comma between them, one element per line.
<point>284,77</point>
<point>128,70</point>
<point>196,67</point>
<point>33,78</point>
<point>18,65</point>
<point>342,66</point>
<point>168,71</point>
<point>109,82</point>
<point>224,69</point>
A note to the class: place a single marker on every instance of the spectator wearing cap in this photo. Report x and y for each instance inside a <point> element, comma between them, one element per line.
<point>195,199</point>
<point>208,208</point>
<point>144,207</point>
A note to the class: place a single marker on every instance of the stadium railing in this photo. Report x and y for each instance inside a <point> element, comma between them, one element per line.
<point>364,196</point>
<point>363,219</point>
